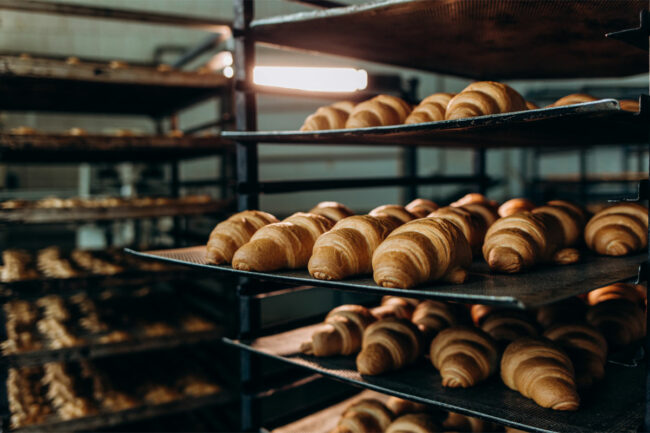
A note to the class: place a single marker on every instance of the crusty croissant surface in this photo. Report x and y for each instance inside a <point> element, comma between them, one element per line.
<point>618,230</point>
<point>341,333</point>
<point>393,210</point>
<point>382,110</point>
<point>329,117</point>
<point>540,370</point>
<point>621,321</point>
<point>389,344</point>
<point>515,205</point>
<point>574,98</point>
<point>287,244</point>
<point>332,210</point>
<point>432,108</point>
<point>570,217</point>
<point>394,306</point>
<point>400,407</point>
<point>482,98</point>
<point>461,423</point>
<point>348,247</point>
<point>464,356</point>
<point>473,225</point>
<point>229,235</point>
<point>414,423</point>
<point>365,416</point>
<point>635,293</point>
<point>421,207</point>
<point>506,326</point>
<point>424,250</point>
<point>431,317</point>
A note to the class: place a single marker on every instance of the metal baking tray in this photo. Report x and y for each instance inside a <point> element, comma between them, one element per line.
<point>615,404</point>
<point>480,39</point>
<point>579,125</point>
<point>543,285</point>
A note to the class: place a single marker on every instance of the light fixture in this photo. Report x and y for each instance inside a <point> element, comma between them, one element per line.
<point>311,78</point>
<point>228,72</point>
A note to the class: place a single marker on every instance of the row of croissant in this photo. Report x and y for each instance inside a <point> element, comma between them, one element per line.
<point>478,99</point>
<point>546,355</point>
<point>406,246</point>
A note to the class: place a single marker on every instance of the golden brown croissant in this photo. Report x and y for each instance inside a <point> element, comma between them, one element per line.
<point>514,206</point>
<point>341,333</point>
<point>389,344</point>
<point>520,241</point>
<point>479,312</point>
<point>570,218</point>
<point>394,306</point>
<point>619,320</point>
<point>472,225</point>
<point>464,356</point>
<point>348,247</point>
<point>329,117</point>
<point>474,198</point>
<point>332,210</point>
<point>483,210</point>
<point>507,325</point>
<point>629,105</point>
<point>484,97</point>
<point>432,317</point>
<point>229,235</point>
<point>632,292</point>
<point>393,210</point>
<point>414,423</point>
<point>531,105</point>
<point>431,108</point>
<point>421,207</point>
<point>570,310</point>
<point>365,416</point>
<point>381,110</point>
<point>424,250</point>
<point>400,407</point>
<point>287,244</point>
<point>587,349</point>
<point>540,370</point>
<point>17,266</point>
<point>618,230</point>
<point>461,423</point>
<point>574,98</point>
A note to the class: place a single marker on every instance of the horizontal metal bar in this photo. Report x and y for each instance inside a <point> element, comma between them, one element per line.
<point>277,187</point>
<point>324,4</point>
<point>226,119</point>
<point>139,16</point>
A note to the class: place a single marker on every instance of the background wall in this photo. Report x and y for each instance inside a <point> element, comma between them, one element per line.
<point>20,32</point>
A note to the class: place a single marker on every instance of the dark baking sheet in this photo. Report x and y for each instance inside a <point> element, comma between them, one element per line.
<point>579,125</point>
<point>541,286</point>
<point>616,404</point>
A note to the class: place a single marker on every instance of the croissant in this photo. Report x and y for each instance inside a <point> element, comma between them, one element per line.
<point>421,207</point>
<point>332,210</point>
<point>619,320</point>
<point>506,325</point>
<point>574,98</point>
<point>400,407</point>
<point>414,423</point>
<point>387,298</point>
<point>482,98</point>
<point>629,105</point>
<point>483,210</point>
<point>570,310</point>
<point>330,117</point>
<point>420,251</point>
<point>348,247</point>
<point>393,210</point>
<point>431,108</point>
<point>472,225</point>
<point>365,416</point>
<point>518,242</point>
<point>587,349</point>
<point>632,292</point>
<point>570,218</point>
<point>394,306</point>
<point>462,423</point>
<point>381,110</point>
<point>287,244</point>
<point>229,235</point>
<point>432,317</point>
<point>618,230</point>
<point>473,198</point>
<point>17,266</point>
<point>531,105</point>
<point>479,312</point>
<point>389,344</point>
<point>341,333</point>
<point>514,206</point>
<point>540,370</point>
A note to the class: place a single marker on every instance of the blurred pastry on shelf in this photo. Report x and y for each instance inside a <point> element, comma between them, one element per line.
<point>430,109</point>
<point>531,105</point>
<point>483,98</point>
<point>389,344</point>
<point>197,386</point>
<point>636,293</point>
<point>124,133</point>
<point>629,105</point>
<point>17,265</point>
<point>25,393</point>
<point>618,230</point>
<point>333,210</point>
<point>25,56</point>
<point>431,317</point>
<point>117,64</point>
<point>14,204</point>
<point>400,406</point>
<point>194,323</point>
<point>421,207</point>
<point>332,116</point>
<point>393,210</point>
<point>506,325</point>
<point>52,264</point>
<point>456,422</point>
<point>23,130</point>
<point>515,205</point>
<point>382,110</point>
<point>414,422</point>
<point>94,264</point>
<point>367,415</point>
<point>574,98</point>
<point>474,198</point>
<point>621,321</point>
<point>157,329</point>
<point>72,60</point>
<point>163,67</point>
<point>155,393</point>
<point>394,306</point>
<point>77,132</point>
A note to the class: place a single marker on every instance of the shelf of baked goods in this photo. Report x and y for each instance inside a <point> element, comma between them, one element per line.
<point>54,210</point>
<point>599,122</point>
<point>435,353</point>
<point>111,322</point>
<point>26,145</point>
<point>477,39</point>
<point>74,85</point>
<point>101,393</point>
<point>517,254</point>
<point>51,270</point>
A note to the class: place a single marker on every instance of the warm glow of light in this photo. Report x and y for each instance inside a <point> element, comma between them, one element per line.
<point>220,61</point>
<point>228,72</point>
<point>313,79</point>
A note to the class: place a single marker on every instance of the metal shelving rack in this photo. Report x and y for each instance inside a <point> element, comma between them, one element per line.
<point>90,86</point>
